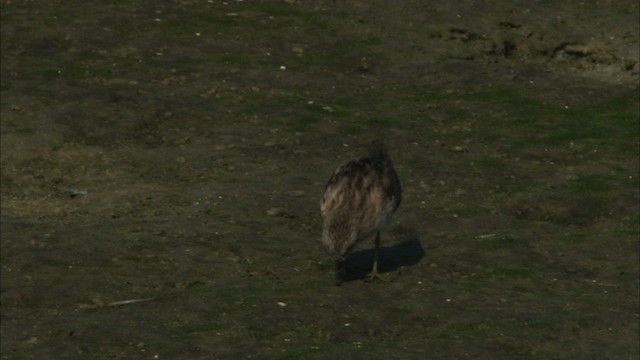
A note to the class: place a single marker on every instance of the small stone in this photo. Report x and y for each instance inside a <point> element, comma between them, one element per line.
<point>296,193</point>
<point>298,50</point>
<point>275,211</point>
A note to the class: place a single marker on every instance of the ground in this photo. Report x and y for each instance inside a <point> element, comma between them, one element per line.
<point>163,163</point>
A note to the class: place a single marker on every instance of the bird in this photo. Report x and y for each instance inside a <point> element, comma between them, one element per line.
<point>359,199</point>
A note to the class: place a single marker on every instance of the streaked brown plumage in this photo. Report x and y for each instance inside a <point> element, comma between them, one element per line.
<point>359,199</point>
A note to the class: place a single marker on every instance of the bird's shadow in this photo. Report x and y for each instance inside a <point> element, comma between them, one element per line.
<point>390,258</point>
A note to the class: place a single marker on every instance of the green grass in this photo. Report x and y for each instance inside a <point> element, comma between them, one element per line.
<point>379,121</point>
<point>203,328</point>
<point>513,271</point>
<point>524,122</point>
<point>27,131</point>
<point>293,15</point>
<point>591,184</point>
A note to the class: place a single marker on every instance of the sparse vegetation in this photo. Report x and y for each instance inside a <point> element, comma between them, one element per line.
<point>201,135</point>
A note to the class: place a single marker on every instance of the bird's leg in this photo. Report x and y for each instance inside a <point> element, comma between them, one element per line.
<point>341,271</point>
<point>374,272</point>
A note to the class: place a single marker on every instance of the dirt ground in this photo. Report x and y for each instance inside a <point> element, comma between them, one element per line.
<point>163,163</point>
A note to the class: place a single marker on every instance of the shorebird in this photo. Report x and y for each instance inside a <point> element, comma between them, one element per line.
<point>359,199</point>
